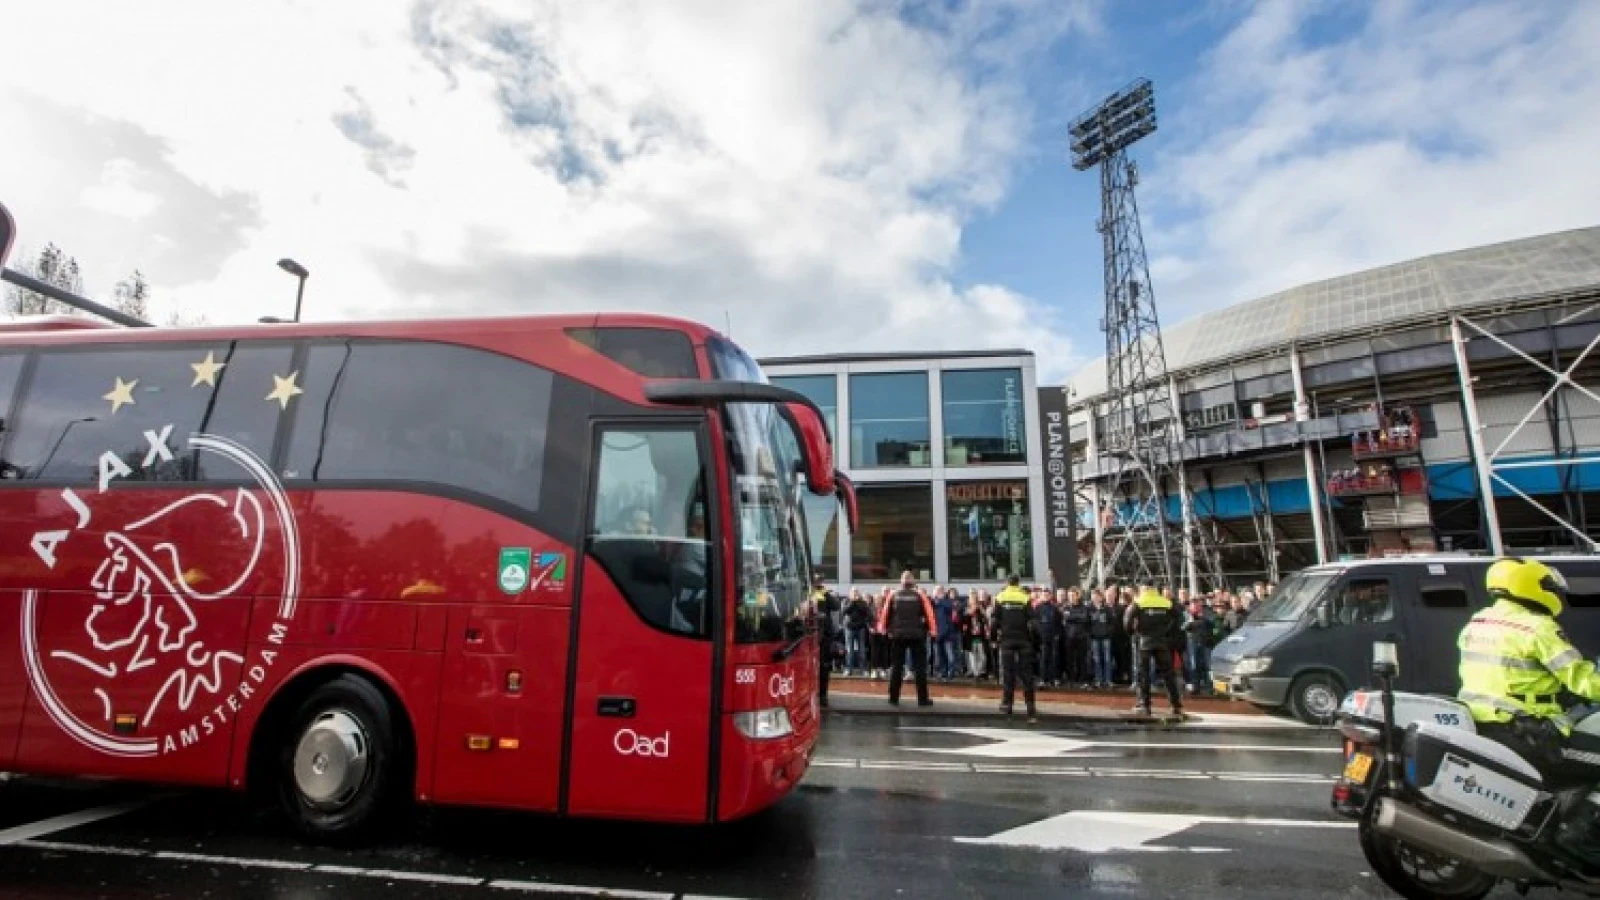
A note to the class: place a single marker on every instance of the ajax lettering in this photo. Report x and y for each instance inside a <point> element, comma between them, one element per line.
<point>125,658</point>
<point>631,743</point>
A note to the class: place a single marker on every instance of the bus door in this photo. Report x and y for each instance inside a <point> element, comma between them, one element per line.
<point>641,713</point>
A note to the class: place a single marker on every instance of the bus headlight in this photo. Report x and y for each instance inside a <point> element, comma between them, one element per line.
<point>1253,665</point>
<point>764,725</point>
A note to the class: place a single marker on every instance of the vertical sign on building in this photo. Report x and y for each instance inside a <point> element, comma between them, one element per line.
<point>1061,520</point>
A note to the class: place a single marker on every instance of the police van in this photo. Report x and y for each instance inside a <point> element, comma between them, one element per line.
<point>1312,640</point>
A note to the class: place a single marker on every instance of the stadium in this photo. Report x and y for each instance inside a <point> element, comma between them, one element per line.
<point>1337,419</point>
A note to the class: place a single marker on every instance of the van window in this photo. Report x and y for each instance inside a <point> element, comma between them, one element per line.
<point>1583,591</point>
<point>1445,596</point>
<point>1363,600</point>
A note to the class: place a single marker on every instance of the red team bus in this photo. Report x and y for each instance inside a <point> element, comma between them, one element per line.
<point>549,563</point>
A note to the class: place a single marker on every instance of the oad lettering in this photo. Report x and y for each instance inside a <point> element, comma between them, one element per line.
<point>779,686</point>
<point>630,743</point>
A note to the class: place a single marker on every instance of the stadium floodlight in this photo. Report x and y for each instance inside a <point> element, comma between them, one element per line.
<point>1119,120</point>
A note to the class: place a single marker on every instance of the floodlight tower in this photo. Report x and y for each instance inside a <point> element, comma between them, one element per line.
<point>1141,439</point>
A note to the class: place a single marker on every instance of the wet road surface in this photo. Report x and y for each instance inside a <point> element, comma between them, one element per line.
<point>895,806</point>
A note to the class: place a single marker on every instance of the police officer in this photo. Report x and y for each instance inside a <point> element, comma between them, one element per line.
<point>824,610</point>
<point>1155,625</point>
<point>908,619</point>
<point>1515,660</point>
<point>1016,622</point>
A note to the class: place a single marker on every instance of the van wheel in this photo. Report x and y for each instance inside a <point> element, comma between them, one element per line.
<point>338,761</point>
<point>1314,698</point>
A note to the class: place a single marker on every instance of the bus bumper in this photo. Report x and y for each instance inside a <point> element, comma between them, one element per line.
<point>758,773</point>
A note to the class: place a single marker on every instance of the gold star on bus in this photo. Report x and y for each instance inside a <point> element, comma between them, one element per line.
<point>121,395</point>
<point>284,389</point>
<point>205,371</point>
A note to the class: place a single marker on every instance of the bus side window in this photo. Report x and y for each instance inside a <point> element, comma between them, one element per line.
<point>82,403</point>
<point>10,371</point>
<point>1363,600</point>
<point>649,530</point>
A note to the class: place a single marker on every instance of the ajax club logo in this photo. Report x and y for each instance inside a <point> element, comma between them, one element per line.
<point>167,607</point>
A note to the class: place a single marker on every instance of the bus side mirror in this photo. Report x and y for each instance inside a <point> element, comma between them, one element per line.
<point>1324,616</point>
<point>811,432</point>
<point>846,491</point>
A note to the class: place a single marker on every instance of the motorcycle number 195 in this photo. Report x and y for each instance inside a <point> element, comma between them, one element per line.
<point>1451,719</point>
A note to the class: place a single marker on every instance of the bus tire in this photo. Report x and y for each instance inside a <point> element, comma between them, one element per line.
<point>339,761</point>
<point>1314,697</point>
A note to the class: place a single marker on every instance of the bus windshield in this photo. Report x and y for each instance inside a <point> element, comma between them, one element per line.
<point>1292,598</point>
<point>765,470</point>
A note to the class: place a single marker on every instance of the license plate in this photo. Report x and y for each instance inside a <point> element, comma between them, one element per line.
<point>1358,768</point>
<point>1220,684</point>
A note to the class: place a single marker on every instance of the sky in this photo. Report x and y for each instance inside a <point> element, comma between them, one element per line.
<point>813,175</point>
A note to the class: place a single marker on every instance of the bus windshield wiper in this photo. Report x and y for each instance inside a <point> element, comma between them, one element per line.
<point>788,649</point>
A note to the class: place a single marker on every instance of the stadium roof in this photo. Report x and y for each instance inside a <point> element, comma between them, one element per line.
<point>1413,291</point>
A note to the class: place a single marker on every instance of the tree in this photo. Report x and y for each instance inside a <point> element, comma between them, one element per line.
<point>51,266</point>
<point>133,296</point>
<point>180,318</point>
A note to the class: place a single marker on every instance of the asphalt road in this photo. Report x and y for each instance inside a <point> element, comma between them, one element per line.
<point>915,806</point>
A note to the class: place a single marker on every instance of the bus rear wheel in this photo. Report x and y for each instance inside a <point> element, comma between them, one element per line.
<point>338,761</point>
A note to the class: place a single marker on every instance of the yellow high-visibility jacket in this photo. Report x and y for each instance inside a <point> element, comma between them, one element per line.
<point>1516,661</point>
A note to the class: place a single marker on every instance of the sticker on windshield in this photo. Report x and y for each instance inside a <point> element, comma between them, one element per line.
<point>514,565</point>
<point>1435,569</point>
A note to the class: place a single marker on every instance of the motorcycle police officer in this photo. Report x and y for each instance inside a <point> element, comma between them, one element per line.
<point>1016,622</point>
<point>1515,661</point>
<point>1155,625</point>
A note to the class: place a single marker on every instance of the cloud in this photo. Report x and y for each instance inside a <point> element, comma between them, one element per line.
<point>806,166</point>
<point>1324,143</point>
<point>386,157</point>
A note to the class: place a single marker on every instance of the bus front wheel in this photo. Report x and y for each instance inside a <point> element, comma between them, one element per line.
<point>337,760</point>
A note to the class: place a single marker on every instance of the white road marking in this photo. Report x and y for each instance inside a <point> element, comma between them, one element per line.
<point>62,847</point>
<point>62,823</point>
<point>247,862</point>
<point>545,887</point>
<point>1008,743</point>
<point>428,877</point>
<point>534,887</point>
<point>1093,831</point>
<point>1073,771</point>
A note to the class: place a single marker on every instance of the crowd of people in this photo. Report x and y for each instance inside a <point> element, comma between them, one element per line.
<point>1080,639</point>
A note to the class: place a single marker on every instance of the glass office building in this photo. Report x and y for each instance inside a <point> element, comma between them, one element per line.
<point>943,449</point>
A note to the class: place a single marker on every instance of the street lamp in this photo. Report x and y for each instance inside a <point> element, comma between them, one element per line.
<point>298,271</point>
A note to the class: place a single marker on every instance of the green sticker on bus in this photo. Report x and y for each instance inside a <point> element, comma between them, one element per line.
<point>514,563</point>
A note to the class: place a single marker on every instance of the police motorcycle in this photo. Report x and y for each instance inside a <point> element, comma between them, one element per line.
<point>1445,812</point>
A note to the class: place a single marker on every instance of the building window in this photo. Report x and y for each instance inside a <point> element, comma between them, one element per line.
<point>990,530</point>
<point>983,418</point>
<point>823,390</point>
<point>896,533</point>
<point>889,420</point>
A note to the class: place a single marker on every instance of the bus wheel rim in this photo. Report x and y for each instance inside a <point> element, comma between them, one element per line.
<point>330,760</point>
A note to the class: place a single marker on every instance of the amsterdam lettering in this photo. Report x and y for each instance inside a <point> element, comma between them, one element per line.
<point>158,584</point>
